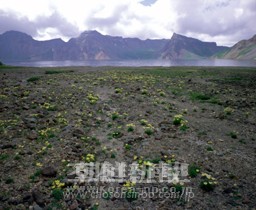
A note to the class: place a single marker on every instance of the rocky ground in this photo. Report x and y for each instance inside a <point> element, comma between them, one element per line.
<point>200,116</point>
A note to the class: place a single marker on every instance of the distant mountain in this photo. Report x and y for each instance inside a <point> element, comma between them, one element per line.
<point>245,49</point>
<point>182,47</point>
<point>95,46</point>
<point>20,46</point>
<point>90,45</point>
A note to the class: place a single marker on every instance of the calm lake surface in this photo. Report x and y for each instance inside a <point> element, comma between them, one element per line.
<point>137,63</point>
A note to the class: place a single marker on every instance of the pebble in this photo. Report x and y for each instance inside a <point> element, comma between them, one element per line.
<point>38,197</point>
<point>78,132</point>
<point>49,171</point>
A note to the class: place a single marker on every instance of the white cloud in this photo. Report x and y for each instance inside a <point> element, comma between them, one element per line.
<point>224,21</point>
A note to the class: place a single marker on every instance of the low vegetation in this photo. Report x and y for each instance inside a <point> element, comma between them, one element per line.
<point>199,117</point>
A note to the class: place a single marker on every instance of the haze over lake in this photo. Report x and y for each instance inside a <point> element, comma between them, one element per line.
<point>137,63</point>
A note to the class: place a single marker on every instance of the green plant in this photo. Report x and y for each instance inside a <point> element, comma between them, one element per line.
<point>127,146</point>
<point>95,207</point>
<point>17,157</point>
<point>155,160</point>
<point>177,119</point>
<point>207,183</point>
<point>57,194</point>
<point>199,96</point>
<point>233,135</point>
<point>193,170</point>
<point>130,194</point>
<point>33,79</point>
<point>144,92</point>
<point>116,134</point>
<point>115,115</point>
<point>58,71</point>
<point>228,111</point>
<point>178,187</point>
<point>92,98</point>
<point>130,127</point>
<point>118,90</point>
<point>148,130</point>
<point>209,148</point>
<point>4,156</point>
<point>35,175</point>
<point>9,180</point>
<point>143,122</point>
<point>49,107</point>
<point>162,93</point>
<point>89,158</point>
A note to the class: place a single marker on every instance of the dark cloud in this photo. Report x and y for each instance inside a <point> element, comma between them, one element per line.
<point>12,21</point>
<point>57,21</point>
<point>148,2</point>
<point>223,21</point>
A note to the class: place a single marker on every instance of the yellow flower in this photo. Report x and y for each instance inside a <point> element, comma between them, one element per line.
<point>39,164</point>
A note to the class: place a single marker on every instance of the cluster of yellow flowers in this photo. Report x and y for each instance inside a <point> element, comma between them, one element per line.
<point>2,96</point>
<point>130,127</point>
<point>143,122</point>
<point>92,98</point>
<point>89,158</point>
<point>5,123</point>
<point>61,119</point>
<point>144,92</point>
<point>129,185</point>
<point>26,93</point>
<point>169,159</point>
<point>48,106</point>
<point>57,184</point>
<point>46,133</point>
<point>47,145</point>
<point>118,90</point>
<point>149,129</point>
<point>228,110</point>
<point>161,92</point>
<point>209,179</point>
<point>39,164</point>
<point>142,162</point>
<point>179,120</point>
<point>148,163</point>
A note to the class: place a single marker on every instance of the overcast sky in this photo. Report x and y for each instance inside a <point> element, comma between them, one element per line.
<point>223,21</point>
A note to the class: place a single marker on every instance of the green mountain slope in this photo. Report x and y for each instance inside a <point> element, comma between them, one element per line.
<point>245,49</point>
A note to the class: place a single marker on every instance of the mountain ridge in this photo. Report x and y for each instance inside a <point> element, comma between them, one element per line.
<point>181,46</point>
<point>92,45</point>
<point>244,49</point>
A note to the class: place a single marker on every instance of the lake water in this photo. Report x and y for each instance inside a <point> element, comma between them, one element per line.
<point>137,63</point>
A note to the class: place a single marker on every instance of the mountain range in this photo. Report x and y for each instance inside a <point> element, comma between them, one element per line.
<point>91,45</point>
<point>245,49</point>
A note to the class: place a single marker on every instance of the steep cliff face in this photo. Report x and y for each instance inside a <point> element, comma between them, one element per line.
<point>182,47</point>
<point>94,45</point>
<point>90,45</point>
<point>245,49</point>
<point>19,46</point>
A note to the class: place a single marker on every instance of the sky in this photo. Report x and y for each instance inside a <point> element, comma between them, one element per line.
<point>223,21</point>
